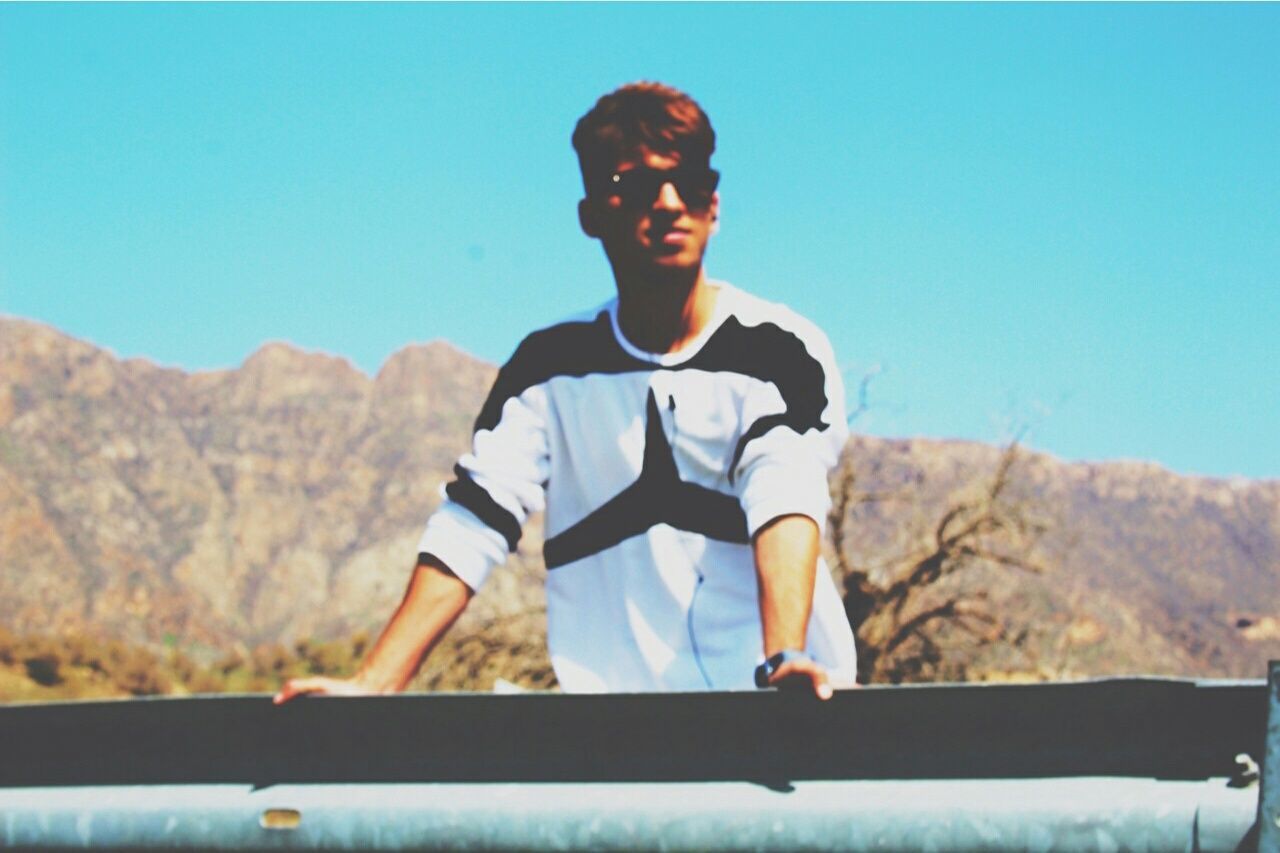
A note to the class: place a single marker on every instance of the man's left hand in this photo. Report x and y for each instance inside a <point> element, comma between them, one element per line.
<point>802,673</point>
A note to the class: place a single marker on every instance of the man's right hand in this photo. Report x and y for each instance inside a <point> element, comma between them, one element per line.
<point>434,599</point>
<point>320,685</point>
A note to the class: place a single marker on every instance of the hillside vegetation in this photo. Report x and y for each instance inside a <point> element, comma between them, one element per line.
<point>45,669</point>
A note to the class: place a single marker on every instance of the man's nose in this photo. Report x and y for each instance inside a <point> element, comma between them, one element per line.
<point>668,197</point>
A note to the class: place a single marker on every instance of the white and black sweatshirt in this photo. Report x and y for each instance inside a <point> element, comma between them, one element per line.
<point>655,471</point>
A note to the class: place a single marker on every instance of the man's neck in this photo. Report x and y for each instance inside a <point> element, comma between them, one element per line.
<point>664,316</point>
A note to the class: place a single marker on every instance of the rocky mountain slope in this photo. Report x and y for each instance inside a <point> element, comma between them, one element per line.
<point>277,500</point>
<point>283,499</point>
<point>1146,570</point>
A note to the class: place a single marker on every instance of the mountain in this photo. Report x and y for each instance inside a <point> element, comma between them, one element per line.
<point>280,499</point>
<point>283,499</point>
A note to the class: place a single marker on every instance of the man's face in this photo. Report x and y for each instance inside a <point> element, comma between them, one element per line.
<point>641,213</point>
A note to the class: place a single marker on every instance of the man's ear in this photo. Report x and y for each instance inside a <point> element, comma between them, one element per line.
<point>715,213</point>
<point>588,218</point>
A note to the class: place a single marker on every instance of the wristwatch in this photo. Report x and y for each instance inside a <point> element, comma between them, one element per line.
<point>774,662</point>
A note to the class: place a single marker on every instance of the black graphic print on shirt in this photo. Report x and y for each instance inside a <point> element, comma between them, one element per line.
<point>658,496</point>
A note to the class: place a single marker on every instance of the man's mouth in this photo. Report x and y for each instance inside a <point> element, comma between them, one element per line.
<point>668,236</point>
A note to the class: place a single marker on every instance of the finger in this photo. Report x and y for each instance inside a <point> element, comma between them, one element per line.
<point>821,685</point>
<point>299,687</point>
<point>288,690</point>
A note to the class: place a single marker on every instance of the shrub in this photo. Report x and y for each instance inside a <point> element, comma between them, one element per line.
<point>44,668</point>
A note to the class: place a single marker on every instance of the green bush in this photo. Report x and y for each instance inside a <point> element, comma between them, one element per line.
<point>44,668</point>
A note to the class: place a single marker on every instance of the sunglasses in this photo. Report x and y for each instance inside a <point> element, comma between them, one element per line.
<point>639,187</point>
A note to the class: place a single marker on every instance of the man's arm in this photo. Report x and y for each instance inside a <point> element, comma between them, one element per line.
<point>433,601</point>
<point>786,554</point>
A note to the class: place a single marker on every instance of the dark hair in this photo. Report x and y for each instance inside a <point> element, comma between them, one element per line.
<point>646,115</point>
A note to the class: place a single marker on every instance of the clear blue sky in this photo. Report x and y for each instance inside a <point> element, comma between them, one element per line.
<point>1067,215</point>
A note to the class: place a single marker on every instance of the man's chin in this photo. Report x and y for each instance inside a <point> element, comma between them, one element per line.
<point>676,266</point>
<point>675,261</point>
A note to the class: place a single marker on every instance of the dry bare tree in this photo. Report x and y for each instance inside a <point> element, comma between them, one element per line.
<point>912,621</point>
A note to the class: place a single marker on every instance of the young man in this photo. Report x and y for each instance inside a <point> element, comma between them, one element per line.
<point>679,438</point>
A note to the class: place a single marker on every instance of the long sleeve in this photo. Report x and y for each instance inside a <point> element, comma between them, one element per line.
<point>795,431</point>
<point>495,487</point>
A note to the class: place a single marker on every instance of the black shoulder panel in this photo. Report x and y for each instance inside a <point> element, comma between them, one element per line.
<point>771,354</point>
<point>567,349</point>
